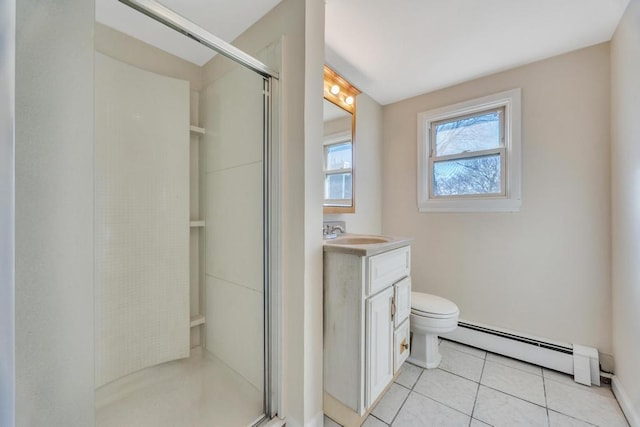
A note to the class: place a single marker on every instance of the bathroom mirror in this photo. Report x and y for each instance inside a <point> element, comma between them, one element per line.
<point>338,143</point>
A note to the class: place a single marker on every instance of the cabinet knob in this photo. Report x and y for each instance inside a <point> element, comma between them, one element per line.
<point>404,346</point>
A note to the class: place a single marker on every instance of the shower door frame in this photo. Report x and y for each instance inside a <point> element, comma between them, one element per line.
<point>7,211</point>
<point>271,190</point>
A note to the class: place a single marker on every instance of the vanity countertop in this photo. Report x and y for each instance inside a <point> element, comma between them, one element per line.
<point>364,244</point>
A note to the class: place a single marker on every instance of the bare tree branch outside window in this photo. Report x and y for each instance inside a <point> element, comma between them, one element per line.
<point>468,175</point>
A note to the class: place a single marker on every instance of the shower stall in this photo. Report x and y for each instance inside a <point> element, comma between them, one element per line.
<point>184,238</point>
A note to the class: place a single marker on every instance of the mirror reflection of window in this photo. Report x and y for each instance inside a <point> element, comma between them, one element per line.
<point>338,157</point>
<point>338,183</point>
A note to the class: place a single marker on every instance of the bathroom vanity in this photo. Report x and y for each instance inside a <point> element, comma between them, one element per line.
<point>367,302</point>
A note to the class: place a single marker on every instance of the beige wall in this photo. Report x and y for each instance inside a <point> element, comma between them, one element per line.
<point>545,270</point>
<point>54,213</point>
<point>625,185</point>
<point>368,161</point>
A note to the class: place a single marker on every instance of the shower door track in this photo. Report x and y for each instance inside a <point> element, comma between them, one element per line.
<point>182,25</point>
<point>270,215</point>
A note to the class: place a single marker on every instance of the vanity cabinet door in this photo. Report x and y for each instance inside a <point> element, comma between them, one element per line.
<point>379,344</point>
<point>402,300</point>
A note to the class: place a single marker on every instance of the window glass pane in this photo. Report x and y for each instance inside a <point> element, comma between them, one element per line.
<point>337,186</point>
<point>339,156</point>
<point>472,133</point>
<point>471,175</point>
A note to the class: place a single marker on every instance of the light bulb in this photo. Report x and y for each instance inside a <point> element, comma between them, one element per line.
<point>335,89</point>
<point>349,100</point>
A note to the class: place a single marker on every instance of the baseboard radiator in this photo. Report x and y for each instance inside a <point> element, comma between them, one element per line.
<point>577,360</point>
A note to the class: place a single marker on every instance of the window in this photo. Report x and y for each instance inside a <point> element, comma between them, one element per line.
<point>469,156</point>
<point>338,170</point>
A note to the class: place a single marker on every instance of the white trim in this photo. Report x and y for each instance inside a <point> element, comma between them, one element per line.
<point>511,101</point>
<point>338,171</point>
<point>632,414</point>
<point>468,155</point>
<point>338,202</point>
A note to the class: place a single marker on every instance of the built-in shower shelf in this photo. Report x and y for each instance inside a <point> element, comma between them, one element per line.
<point>196,130</point>
<point>197,320</point>
<point>196,223</point>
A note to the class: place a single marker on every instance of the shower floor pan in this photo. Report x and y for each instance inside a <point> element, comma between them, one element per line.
<point>198,391</point>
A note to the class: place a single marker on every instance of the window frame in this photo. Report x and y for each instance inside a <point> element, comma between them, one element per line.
<point>330,140</point>
<point>509,199</point>
<point>500,150</point>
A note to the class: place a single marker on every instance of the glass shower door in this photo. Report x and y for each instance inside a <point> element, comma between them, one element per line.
<point>232,171</point>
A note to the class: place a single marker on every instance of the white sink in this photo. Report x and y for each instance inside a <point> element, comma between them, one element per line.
<point>364,244</point>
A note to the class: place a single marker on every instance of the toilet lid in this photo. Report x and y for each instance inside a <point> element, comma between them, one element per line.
<point>432,304</point>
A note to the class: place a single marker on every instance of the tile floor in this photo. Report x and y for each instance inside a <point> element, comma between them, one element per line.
<point>475,388</point>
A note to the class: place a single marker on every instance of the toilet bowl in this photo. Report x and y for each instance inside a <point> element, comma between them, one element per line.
<point>431,315</point>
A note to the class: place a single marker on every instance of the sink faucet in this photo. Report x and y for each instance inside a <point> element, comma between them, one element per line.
<point>337,227</point>
<point>331,229</point>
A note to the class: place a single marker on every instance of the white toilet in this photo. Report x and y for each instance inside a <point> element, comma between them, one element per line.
<point>431,315</point>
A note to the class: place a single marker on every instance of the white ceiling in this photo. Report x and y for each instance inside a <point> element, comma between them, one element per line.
<point>393,50</point>
<point>226,19</point>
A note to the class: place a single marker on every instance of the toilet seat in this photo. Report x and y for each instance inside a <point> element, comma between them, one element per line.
<point>427,305</point>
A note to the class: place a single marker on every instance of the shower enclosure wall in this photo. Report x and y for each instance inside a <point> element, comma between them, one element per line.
<point>183,180</point>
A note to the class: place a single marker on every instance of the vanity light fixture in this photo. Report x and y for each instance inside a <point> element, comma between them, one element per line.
<point>339,91</point>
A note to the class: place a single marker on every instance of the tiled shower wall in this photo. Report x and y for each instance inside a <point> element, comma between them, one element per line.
<point>141,219</point>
